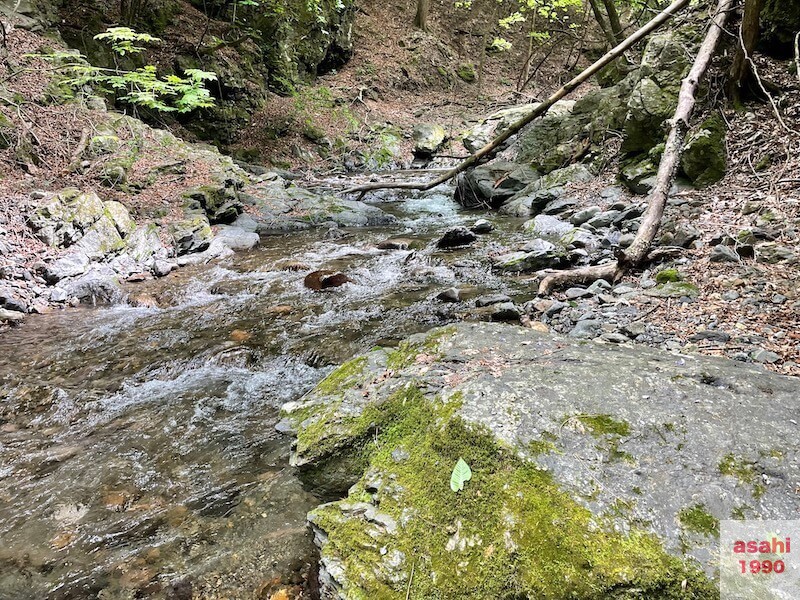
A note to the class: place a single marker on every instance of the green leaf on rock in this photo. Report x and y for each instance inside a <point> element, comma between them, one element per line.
<point>461,474</point>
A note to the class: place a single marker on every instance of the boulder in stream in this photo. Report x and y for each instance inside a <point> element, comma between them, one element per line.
<point>596,470</point>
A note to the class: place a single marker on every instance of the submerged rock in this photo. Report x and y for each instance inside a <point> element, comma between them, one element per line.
<point>597,470</point>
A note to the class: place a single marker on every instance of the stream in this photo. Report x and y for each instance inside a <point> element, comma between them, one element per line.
<point>138,451</point>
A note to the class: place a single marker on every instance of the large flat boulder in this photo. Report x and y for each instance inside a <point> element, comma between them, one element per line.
<point>596,470</point>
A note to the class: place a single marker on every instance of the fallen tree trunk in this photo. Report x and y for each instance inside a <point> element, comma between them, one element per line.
<point>490,149</point>
<point>638,251</point>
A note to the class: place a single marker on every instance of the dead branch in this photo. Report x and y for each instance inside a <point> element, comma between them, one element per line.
<point>638,251</point>
<point>490,149</point>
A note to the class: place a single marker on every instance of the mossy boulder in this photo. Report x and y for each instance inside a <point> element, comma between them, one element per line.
<point>596,471</point>
<point>705,158</point>
<point>466,72</point>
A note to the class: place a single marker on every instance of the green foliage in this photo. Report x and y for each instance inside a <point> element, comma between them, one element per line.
<point>141,87</point>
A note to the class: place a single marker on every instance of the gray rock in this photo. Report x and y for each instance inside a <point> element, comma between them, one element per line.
<point>491,299</point>
<point>237,238</point>
<point>624,425</point>
<point>98,285</point>
<point>11,316</point>
<point>72,264</point>
<point>722,253</point>
<point>604,219</point>
<point>62,220</point>
<point>456,237</point>
<point>537,254</point>
<point>711,335</point>
<point>482,226</point>
<point>586,329</point>
<point>634,329</point>
<point>450,295</point>
<point>764,356</point>
<point>583,215</point>
<point>547,227</point>
<point>492,184</point>
<point>599,287</point>
<point>58,295</point>
<point>574,293</point>
<point>559,206</point>
<point>120,217</point>
<point>505,311</point>
<point>428,139</point>
<point>162,268</point>
<point>772,253</point>
<point>191,234</point>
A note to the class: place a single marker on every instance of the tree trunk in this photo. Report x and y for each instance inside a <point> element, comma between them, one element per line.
<point>421,20</point>
<point>741,80</point>
<point>601,21</point>
<point>638,251</point>
<point>490,149</point>
<point>613,20</point>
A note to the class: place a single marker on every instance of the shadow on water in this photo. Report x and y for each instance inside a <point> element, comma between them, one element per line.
<point>138,455</point>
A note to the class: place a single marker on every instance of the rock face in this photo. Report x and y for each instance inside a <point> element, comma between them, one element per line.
<point>597,470</point>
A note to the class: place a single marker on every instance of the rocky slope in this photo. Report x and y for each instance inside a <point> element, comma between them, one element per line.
<point>596,470</point>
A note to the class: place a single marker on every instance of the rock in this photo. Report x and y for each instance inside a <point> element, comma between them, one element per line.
<point>599,287</point>
<point>586,330</point>
<point>98,285</point>
<point>428,139</point>
<point>192,234</point>
<point>704,158</point>
<point>482,226</point>
<point>583,215</point>
<point>120,217</point>
<point>638,175</point>
<point>536,255</point>
<point>673,289</point>
<point>100,240</point>
<point>490,185</point>
<point>615,338</point>
<point>499,122</point>
<point>711,335</point>
<point>574,293</point>
<point>64,218</point>
<point>450,295</point>
<point>722,253</point>
<point>764,356</point>
<point>237,238</point>
<point>11,316</point>
<point>491,299</point>
<point>325,279</point>
<point>603,219</point>
<point>505,311</point>
<point>72,264</point>
<point>162,268</point>
<point>58,295</point>
<point>547,227</point>
<point>772,253</point>
<point>456,237</point>
<point>634,329</point>
<point>778,299</point>
<point>626,239</point>
<point>537,417</point>
<point>220,203</point>
<point>144,243</point>
<point>559,206</point>
<point>395,244</point>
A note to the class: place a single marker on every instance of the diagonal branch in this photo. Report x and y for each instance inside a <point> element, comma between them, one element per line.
<point>490,149</point>
<point>638,251</point>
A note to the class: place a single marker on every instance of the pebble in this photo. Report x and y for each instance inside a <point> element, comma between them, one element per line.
<point>778,299</point>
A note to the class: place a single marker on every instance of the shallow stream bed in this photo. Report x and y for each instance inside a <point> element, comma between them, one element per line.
<point>138,454</point>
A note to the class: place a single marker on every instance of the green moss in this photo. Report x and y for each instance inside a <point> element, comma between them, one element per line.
<point>600,425</point>
<point>511,533</point>
<point>467,72</point>
<point>696,519</point>
<point>407,352</point>
<point>668,276</point>
<point>346,376</point>
<point>744,471</point>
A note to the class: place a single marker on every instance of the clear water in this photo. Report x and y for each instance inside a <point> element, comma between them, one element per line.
<point>138,456</point>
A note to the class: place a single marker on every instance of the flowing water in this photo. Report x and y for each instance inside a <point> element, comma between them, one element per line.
<point>138,455</point>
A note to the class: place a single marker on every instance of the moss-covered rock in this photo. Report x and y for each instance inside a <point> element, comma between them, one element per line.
<point>538,518</point>
<point>780,22</point>
<point>705,157</point>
